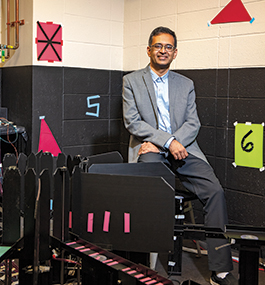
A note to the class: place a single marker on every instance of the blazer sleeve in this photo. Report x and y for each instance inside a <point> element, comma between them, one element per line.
<point>138,113</point>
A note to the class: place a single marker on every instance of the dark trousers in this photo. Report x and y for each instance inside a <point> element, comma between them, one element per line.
<point>199,178</point>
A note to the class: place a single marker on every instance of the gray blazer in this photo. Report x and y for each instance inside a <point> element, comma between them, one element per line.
<point>141,115</point>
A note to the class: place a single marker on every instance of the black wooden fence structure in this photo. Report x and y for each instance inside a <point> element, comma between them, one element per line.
<point>43,202</point>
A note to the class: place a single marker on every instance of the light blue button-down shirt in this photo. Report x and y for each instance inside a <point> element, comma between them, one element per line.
<point>162,99</point>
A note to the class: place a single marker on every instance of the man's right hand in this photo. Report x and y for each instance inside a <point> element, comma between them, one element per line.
<point>178,150</point>
<point>148,147</point>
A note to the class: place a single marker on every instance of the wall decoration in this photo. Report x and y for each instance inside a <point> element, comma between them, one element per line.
<point>234,11</point>
<point>94,105</point>
<point>106,222</point>
<point>47,141</point>
<point>49,41</point>
<point>249,145</point>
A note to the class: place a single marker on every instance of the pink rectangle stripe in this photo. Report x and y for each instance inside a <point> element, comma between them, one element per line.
<point>139,275</point>
<point>126,269</point>
<point>126,222</point>
<point>90,222</point>
<point>94,254</point>
<point>86,249</point>
<point>71,243</point>
<point>113,263</point>
<point>106,221</point>
<point>70,219</point>
<point>132,272</point>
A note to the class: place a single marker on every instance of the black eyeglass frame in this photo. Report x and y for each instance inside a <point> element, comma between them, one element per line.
<point>159,46</point>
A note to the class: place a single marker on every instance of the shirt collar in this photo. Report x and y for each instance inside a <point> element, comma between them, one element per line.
<point>155,76</point>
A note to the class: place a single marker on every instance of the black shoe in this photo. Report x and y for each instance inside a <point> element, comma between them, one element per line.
<point>228,280</point>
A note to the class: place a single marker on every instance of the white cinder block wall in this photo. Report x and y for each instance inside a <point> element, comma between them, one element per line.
<point>92,31</point>
<point>113,34</point>
<point>233,45</point>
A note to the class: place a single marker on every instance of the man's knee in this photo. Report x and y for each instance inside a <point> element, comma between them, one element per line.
<point>152,157</point>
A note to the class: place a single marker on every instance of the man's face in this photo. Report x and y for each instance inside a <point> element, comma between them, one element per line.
<point>161,59</point>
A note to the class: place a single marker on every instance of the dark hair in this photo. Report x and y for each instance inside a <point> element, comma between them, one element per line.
<point>162,30</point>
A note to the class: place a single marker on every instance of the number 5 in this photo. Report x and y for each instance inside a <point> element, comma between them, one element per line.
<point>89,105</point>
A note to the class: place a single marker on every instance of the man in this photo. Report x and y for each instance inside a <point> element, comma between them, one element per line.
<point>160,113</point>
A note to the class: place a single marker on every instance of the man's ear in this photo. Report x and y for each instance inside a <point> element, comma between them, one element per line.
<point>175,53</point>
<point>148,51</point>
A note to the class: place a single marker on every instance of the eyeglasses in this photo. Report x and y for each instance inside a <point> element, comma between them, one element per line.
<point>159,46</point>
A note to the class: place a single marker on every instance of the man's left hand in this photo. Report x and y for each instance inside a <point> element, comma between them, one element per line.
<point>178,151</point>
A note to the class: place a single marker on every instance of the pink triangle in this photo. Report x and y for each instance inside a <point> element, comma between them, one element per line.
<point>234,11</point>
<point>47,141</point>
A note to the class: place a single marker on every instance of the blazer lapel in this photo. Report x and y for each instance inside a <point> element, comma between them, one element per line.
<point>147,78</point>
<point>173,102</point>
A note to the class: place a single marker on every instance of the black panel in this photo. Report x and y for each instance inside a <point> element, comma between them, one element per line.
<point>150,211</point>
<point>221,112</point>
<point>114,147</point>
<point>222,82</point>
<point>116,82</point>
<point>76,107</point>
<point>87,81</point>
<point>124,134</point>
<point>230,143</point>
<point>47,93</point>
<point>247,83</point>
<point>246,179</point>
<point>93,133</point>
<point>225,142</point>
<point>206,140</point>
<point>206,110</point>
<point>137,169</point>
<point>246,110</point>
<point>221,142</point>
<point>17,96</point>
<point>115,131</point>
<point>85,132</point>
<point>243,208</point>
<point>115,107</point>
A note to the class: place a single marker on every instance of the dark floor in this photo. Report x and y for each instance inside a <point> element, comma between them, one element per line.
<point>196,268</point>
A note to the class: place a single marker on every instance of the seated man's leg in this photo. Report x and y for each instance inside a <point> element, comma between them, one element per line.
<point>198,177</point>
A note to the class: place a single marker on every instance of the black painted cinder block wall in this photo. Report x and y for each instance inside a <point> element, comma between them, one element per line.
<point>60,94</point>
<point>88,134</point>
<point>223,97</point>
<point>16,96</point>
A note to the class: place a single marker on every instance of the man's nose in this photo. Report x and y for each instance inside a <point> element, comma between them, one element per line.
<point>163,49</point>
